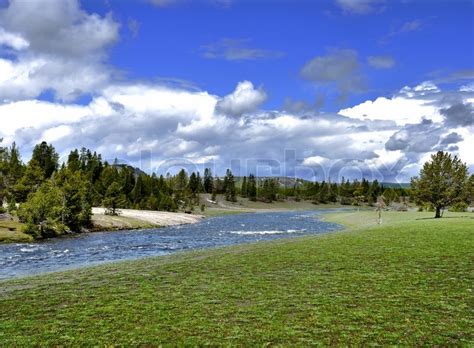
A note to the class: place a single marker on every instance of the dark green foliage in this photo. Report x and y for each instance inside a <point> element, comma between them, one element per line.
<point>459,207</point>
<point>152,203</point>
<point>243,189</point>
<point>31,180</point>
<point>208,180</point>
<point>194,184</point>
<point>443,182</point>
<point>252,188</point>
<point>114,198</point>
<point>181,181</point>
<point>43,212</point>
<point>167,204</point>
<point>73,162</point>
<point>268,191</point>
<point>46,157</point>
<point>218,186</point>
<point>12,207</point>
<point>3,171</point>
<point>76,200</point>
<point>14,169</point>
<point>60,204</point>
<point>323,193</point>
<point>332,194</point>
<point>229,186</point>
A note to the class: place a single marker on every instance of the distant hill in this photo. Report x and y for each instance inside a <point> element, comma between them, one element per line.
<point>290,182</point>
<point>136,171</point>
<point>396,184</point>
<point>282,180</point>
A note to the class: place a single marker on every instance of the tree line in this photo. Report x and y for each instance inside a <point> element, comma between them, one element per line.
<point>52,199</point>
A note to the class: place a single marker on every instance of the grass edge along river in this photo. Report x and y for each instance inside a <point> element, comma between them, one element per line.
<point>408,281</point>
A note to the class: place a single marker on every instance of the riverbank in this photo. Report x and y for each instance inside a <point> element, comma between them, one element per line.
<point>11,231</point>
<point>131,219</point>
<point>406,282</point>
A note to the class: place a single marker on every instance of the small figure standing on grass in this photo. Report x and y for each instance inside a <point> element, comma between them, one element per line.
<point>380,205</point>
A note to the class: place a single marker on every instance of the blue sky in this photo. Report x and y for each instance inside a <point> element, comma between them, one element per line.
<point>346,87</point>
<point>424,38</point>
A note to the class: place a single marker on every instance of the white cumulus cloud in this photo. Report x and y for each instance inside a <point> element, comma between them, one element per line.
<point>245,98</point>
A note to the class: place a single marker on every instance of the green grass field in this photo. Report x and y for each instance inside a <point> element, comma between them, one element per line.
<point>408,282</point>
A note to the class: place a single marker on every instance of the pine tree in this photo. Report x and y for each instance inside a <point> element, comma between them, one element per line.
<point>3,171</point>
<point>31,180</point>
<point>200,184</point>
<point>208,180</point>
<point>194,184</point>
<point>46,157</point>
<point>73,162</point>
<point>443,181</point>
<point>167,203</point>
<point>152,203</point>
<point>218,186</point>
<point>243,190</point>
<point>365,188</point>
<point>332,195</point>
<point>268,191</point>
<point>76,199</point>
<point>181,182</point>
<point>14,167</point>
<point>229,186</point>
<point>252,188</point>
<point>323,193</point>
<point>114,199</point>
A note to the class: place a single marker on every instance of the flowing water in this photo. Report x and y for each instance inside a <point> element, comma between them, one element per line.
<point>22,259</point>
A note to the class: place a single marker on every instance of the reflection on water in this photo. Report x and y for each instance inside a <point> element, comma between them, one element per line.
<point>93,248</point>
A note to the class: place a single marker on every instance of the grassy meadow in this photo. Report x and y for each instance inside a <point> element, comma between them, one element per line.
<point>409,282</point>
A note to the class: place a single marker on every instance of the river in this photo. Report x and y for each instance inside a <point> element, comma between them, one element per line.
<point>23,259</point>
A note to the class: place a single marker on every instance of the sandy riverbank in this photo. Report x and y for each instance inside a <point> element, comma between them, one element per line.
<point>130,218</point>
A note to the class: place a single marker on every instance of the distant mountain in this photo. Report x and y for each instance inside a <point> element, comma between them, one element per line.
<point>136,171</point>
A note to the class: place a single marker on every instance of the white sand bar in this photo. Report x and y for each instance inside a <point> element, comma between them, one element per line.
<point>161,218</point>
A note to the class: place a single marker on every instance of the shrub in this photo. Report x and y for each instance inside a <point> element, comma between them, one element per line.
<point>459,207</point>
<point>12,207</point>
<point>46,229</point>
<point>346,201</point>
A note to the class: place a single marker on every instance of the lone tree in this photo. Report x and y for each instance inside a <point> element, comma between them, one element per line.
<point>443,181</point>
<point>113,199</point>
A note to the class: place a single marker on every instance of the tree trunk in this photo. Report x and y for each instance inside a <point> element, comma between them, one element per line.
<point>438,213</point>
